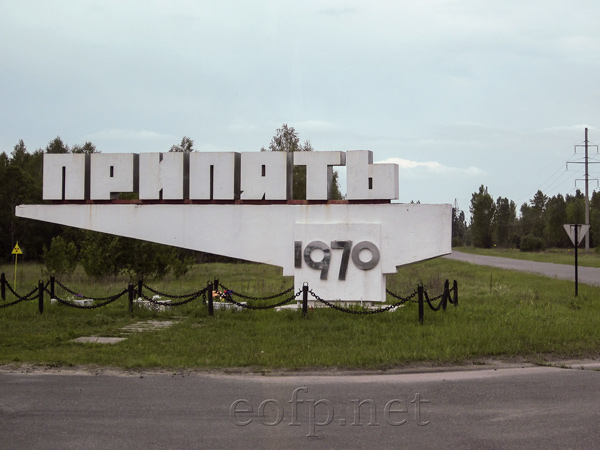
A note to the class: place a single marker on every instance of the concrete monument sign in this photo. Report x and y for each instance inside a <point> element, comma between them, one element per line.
<point>239,205</point>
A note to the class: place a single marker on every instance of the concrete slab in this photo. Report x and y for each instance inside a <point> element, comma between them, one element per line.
<point>226,306</point>
<point>99,339</point>
<point>148,325</point>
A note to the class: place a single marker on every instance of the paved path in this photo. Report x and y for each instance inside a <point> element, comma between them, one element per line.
<point>587,275</point>
<point>495,408</point>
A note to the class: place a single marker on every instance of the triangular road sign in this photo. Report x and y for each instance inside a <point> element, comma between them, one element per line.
<point>17,250</point>
<point>582,230</point>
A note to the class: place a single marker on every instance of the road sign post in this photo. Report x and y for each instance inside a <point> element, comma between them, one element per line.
<point>16,251</point>
<point>576,232</point>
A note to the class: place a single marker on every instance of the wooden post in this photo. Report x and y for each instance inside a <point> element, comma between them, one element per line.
<point>52,280</point>
<point>140,286</point>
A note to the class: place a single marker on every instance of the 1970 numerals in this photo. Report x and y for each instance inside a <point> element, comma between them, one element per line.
<point>348,252</point>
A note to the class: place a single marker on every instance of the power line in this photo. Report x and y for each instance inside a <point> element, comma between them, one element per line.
<point>557,178</point>
<point>541,186</point>
<point>586,162</point>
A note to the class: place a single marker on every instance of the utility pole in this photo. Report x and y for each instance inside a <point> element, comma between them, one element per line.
<point>587,196</point>
<point>586,179</point>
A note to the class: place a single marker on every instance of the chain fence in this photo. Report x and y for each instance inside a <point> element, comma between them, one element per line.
<point>226,295</point>
<point>449,295</point>
<point>360,311</point>
<point>72,292</point>
<point>162,294</point>
<point>107,301</point>
<point>29,296</point>
<point>188,298</point>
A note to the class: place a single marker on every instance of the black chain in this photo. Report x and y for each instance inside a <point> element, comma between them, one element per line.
<point>162,294</point>
<point>287,300</point>
<point>247,297</point>
<point>352,311</point>
<point>70,291</point>
<point>439,297</point>
<point>77,294</point>
<point>13,303</point>
<point>29,296</point>
<point>112,299</point>
<point>165,303</point>
<point>449,296</point>
<point>403,299</point>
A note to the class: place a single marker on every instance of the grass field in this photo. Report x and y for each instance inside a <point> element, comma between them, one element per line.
<point>590,258</point>
<point>501,314</point>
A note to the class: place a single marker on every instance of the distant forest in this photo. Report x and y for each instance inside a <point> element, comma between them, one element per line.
<point>537,225</point>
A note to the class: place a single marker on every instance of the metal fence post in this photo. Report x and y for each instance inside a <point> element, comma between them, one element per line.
<point>304,299</point>
<point>446,295</point>
<point>3,286</point>
<point>209,292</point>
<point>455,293</point>
<point>52,280</point>
<point>41,296</point>
<point>130,292</point>
<point>421,309</point>
<point>140,286</point>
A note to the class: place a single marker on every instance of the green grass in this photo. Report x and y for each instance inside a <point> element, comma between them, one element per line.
<point>557,256</point>
<point>501,314</point>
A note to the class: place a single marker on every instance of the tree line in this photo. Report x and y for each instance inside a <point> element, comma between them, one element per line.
<point>538,225</point>
<point>61,248</point>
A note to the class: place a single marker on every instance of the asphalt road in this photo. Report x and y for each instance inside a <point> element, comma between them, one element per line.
<point>586,275</point>
<point>508,407</point>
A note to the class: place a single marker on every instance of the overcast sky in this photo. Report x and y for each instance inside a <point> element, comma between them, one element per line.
<point>458,92</point>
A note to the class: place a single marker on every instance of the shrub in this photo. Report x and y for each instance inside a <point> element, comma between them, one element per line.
<point>457,242</point>
<point>61,257</point>
<point>105,255</point>
<point>531,243</point>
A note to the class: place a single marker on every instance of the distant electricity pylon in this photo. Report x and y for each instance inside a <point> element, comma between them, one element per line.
<point>586,179</point>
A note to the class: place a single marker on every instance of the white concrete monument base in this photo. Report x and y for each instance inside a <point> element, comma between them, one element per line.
<point>343,251</point>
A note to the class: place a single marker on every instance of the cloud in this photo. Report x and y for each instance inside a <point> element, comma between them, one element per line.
<point>567,128</point>
<point>338,11</point>
<point>318,126</point>
<point>420,169</point>
<point>239,126</point>
<point>209,147</point>
<point>128,140</point>
<point>129,135</point>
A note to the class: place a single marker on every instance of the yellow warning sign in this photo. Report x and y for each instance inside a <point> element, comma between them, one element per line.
<point>17,250</point>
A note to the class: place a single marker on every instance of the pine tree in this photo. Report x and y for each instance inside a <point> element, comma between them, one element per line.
<point>482,213</point>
